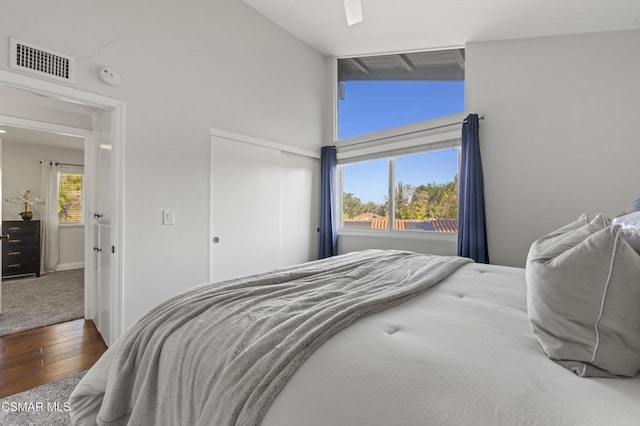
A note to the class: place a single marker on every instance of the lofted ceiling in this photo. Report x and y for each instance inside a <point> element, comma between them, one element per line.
<point>408,25</point>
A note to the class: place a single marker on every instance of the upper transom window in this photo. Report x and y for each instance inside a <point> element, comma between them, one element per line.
<point>378,93</point>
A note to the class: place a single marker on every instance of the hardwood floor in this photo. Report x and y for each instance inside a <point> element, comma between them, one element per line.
<point>43,355</point>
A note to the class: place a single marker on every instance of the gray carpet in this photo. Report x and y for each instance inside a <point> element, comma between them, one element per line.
<point>44,405</point>
<point>37,302</point>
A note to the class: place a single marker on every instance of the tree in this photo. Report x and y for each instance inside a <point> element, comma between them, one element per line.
<point>420,202</point>
<point>351,206</point>
<point>442,199</point>
<point>70,197</point>
<point>429,201</point>
<point>402,198</point>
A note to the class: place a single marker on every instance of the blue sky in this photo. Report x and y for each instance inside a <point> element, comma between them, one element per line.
<point>374,106</point>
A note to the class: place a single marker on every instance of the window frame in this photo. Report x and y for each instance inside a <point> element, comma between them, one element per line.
<point>71,170</point>
<point>439,133</point>
<point>427,136</point>
<point>336,95</point>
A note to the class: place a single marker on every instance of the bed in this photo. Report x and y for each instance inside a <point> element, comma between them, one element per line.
<point>457,349</point>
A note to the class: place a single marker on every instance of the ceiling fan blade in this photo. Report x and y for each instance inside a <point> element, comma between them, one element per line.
<point>353,10</point>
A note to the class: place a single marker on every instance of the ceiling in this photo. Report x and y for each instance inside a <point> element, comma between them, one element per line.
<point>406,25</point>
<point>10,94</point>
<point>39,104</point>
<point>23,135</point>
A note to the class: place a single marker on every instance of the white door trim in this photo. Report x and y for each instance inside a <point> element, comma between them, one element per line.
<point>117,108</point>
<point>57,90</point>
<point>44,127</point>
<point>0,219</point>
<point>89,300</point>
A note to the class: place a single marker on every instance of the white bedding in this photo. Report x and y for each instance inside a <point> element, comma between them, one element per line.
<point>461,353</point>
<point>220,353</point>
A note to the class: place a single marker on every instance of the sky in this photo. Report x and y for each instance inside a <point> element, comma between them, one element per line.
<point>374,106</point>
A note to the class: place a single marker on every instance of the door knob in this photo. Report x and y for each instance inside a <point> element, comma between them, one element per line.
<point>4,236</point>
<point>216,240</point>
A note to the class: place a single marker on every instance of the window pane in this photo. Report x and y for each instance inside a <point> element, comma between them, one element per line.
<point>365,189</point>
<point>383,92</point>
<point>426,191</point>
<point>374,106</point>
<point>70,199</point>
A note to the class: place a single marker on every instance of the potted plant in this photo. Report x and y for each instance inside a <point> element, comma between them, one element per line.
<point>23,198</point>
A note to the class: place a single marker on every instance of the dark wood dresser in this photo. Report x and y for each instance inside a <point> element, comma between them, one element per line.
<point>21,252</point>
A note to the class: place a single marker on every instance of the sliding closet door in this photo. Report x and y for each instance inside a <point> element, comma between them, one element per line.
<point>299,198</point>
<point>245,208</point>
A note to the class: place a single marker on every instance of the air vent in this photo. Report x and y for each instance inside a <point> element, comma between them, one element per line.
<point>40,61</point>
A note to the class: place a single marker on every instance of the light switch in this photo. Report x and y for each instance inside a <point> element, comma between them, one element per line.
<point>168,217</point>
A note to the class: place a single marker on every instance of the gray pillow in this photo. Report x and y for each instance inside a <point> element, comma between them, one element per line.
<point>583,298</point>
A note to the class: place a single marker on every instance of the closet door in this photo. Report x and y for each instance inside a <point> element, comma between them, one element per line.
<point>245,208</point>
<point>299,198</point>
<point>102,271</point>
<point>100,293</point>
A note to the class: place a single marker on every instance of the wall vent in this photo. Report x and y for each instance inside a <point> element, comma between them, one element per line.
<point>40,61</point>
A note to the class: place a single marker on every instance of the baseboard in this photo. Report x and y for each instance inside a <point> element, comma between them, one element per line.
<point>68,266</point>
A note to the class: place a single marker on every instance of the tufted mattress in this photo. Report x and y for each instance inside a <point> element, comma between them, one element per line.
<point>461,353</point>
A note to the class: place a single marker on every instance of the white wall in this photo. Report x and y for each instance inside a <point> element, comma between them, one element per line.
<point>560,133</point>
<point>21,170</point>
<point>444,245</point>
<point>185,67</point>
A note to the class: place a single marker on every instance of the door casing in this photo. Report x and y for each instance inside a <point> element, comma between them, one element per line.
<point>116,109</point>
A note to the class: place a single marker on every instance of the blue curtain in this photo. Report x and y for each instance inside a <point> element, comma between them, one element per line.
<point>472,229</point>
<point>328,203</point>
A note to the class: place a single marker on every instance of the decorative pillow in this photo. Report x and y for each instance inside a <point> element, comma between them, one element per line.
<point>550,240</point>
<point>583,294</point>
<point>634,207</point>
<point>629,223</point>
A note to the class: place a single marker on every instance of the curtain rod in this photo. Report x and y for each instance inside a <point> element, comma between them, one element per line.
<point>65,164</point>
<point>411,133</point>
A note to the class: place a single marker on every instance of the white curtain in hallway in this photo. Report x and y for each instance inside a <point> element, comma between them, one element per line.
<point>49,236</point>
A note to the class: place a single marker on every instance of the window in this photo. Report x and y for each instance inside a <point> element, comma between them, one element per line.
<point>398,137</point>
<point>70,198</point>
<point>426,191</point>
<point>423,197</point>
<point>377,93</point>
<point>365,195</point>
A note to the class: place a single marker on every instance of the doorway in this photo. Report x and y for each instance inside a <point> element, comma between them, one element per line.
<point>104,180</point>
<point>43,175</point>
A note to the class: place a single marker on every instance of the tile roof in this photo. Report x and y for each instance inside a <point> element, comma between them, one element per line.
<point>444,225</point>
<point>373,221</point>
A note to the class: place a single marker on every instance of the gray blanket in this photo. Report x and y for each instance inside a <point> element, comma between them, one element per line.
<point>219,354</point>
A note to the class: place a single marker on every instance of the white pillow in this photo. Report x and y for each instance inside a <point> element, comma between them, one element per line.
<point>630,227</point>
<point>583,294</point>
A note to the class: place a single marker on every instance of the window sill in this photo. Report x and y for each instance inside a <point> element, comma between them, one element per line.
<point>409,235</point>
<point>70,225</point>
